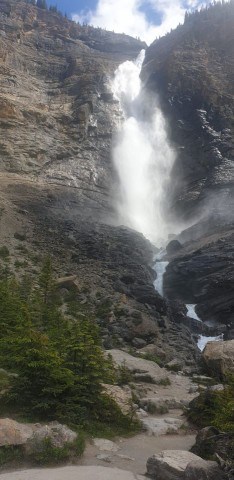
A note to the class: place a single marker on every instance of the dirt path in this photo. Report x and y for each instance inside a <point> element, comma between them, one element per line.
<point>134,452</point>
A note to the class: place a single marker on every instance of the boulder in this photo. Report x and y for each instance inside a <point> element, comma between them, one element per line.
<point>67,282</point>
<point>122,396</point>
<point>143,370</point>
<point>105,445</point>
<point>14,433</point>
<point>219,358</point>
<point>59,435</point>
<point>169,464</point>
<point>173,247</point>
<point>162,426</point>
<point>211,442</point>
<point>203,470</point>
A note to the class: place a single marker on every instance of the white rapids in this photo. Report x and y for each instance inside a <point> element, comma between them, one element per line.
<point>204,340</point>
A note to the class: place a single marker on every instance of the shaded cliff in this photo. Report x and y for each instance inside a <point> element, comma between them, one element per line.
<point>192,71</point>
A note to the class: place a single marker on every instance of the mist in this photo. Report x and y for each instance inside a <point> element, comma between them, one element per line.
<point>142,156</point>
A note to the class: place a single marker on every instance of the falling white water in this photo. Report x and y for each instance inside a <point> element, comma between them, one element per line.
<point>191,312</point>
<point>202,341</point>
<point>160,269</point>
<point>142,155</point>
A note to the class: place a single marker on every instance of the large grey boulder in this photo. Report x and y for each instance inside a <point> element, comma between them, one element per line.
<point>142,370</point>
<point>182,465</point>
<point>58,434</point>
<point>203,470</point>
<point>169,464</point>
<point>14,433</point>
<point>219,358</point>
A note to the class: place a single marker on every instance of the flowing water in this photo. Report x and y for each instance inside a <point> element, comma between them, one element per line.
<point>204,340</point>
<point>191,312</point>
<point>142,155</point>
<point>160,269</point>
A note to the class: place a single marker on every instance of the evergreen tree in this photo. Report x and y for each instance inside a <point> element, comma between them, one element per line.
<point>42,4</point>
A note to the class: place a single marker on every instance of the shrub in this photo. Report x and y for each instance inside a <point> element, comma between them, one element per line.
<point>4,252</point>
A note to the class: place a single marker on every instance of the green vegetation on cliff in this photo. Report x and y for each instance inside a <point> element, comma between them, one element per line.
<point>57,362</point>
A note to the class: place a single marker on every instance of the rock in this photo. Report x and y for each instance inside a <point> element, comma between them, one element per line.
<point>143,370</point>
<point>203,379</point>
<point>73,473</point>
<point>173,247</point>
<point>169,464</point>
<point>162,426</point>
<point>105,445</point>
<point>160,404</point>
<point>67,282</point>
<point>203,470</point>
<point>139,342</point>
<point>217,388</point>
<point>219,358</point>
<point>14,433</point>
<point>125,457</point>
<point>210,441</point>
<point>122,396</point>
<point>104,458</point>
<point>59,435</point>
<point>175,365</point>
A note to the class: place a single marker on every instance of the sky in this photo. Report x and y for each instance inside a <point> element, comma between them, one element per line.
<point>147,19</point>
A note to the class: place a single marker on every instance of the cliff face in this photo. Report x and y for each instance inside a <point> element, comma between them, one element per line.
<point>57,117</point>
<point>192,71</point>
<point>57,114</point>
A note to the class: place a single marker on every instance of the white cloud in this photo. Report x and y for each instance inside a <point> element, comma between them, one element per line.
<point>127,16</point>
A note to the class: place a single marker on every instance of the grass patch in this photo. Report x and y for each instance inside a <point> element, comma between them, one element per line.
<point>10,455</point>
<point>152,358</point>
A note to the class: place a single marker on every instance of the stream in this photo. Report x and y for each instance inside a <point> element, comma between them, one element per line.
<point>160,267</point>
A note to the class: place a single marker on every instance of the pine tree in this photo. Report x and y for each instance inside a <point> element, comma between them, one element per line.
<point>42,4</point>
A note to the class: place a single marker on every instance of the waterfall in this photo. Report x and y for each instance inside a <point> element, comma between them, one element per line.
<point>142,155</point>
<point>160,268</point>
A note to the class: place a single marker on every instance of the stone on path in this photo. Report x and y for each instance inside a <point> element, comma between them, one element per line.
<point>105,445</point>
<point>162,426</point>
<point>169,464</point>
<point>72,473</point>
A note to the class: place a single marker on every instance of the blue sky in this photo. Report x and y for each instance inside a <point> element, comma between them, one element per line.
<point>146,19</point>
